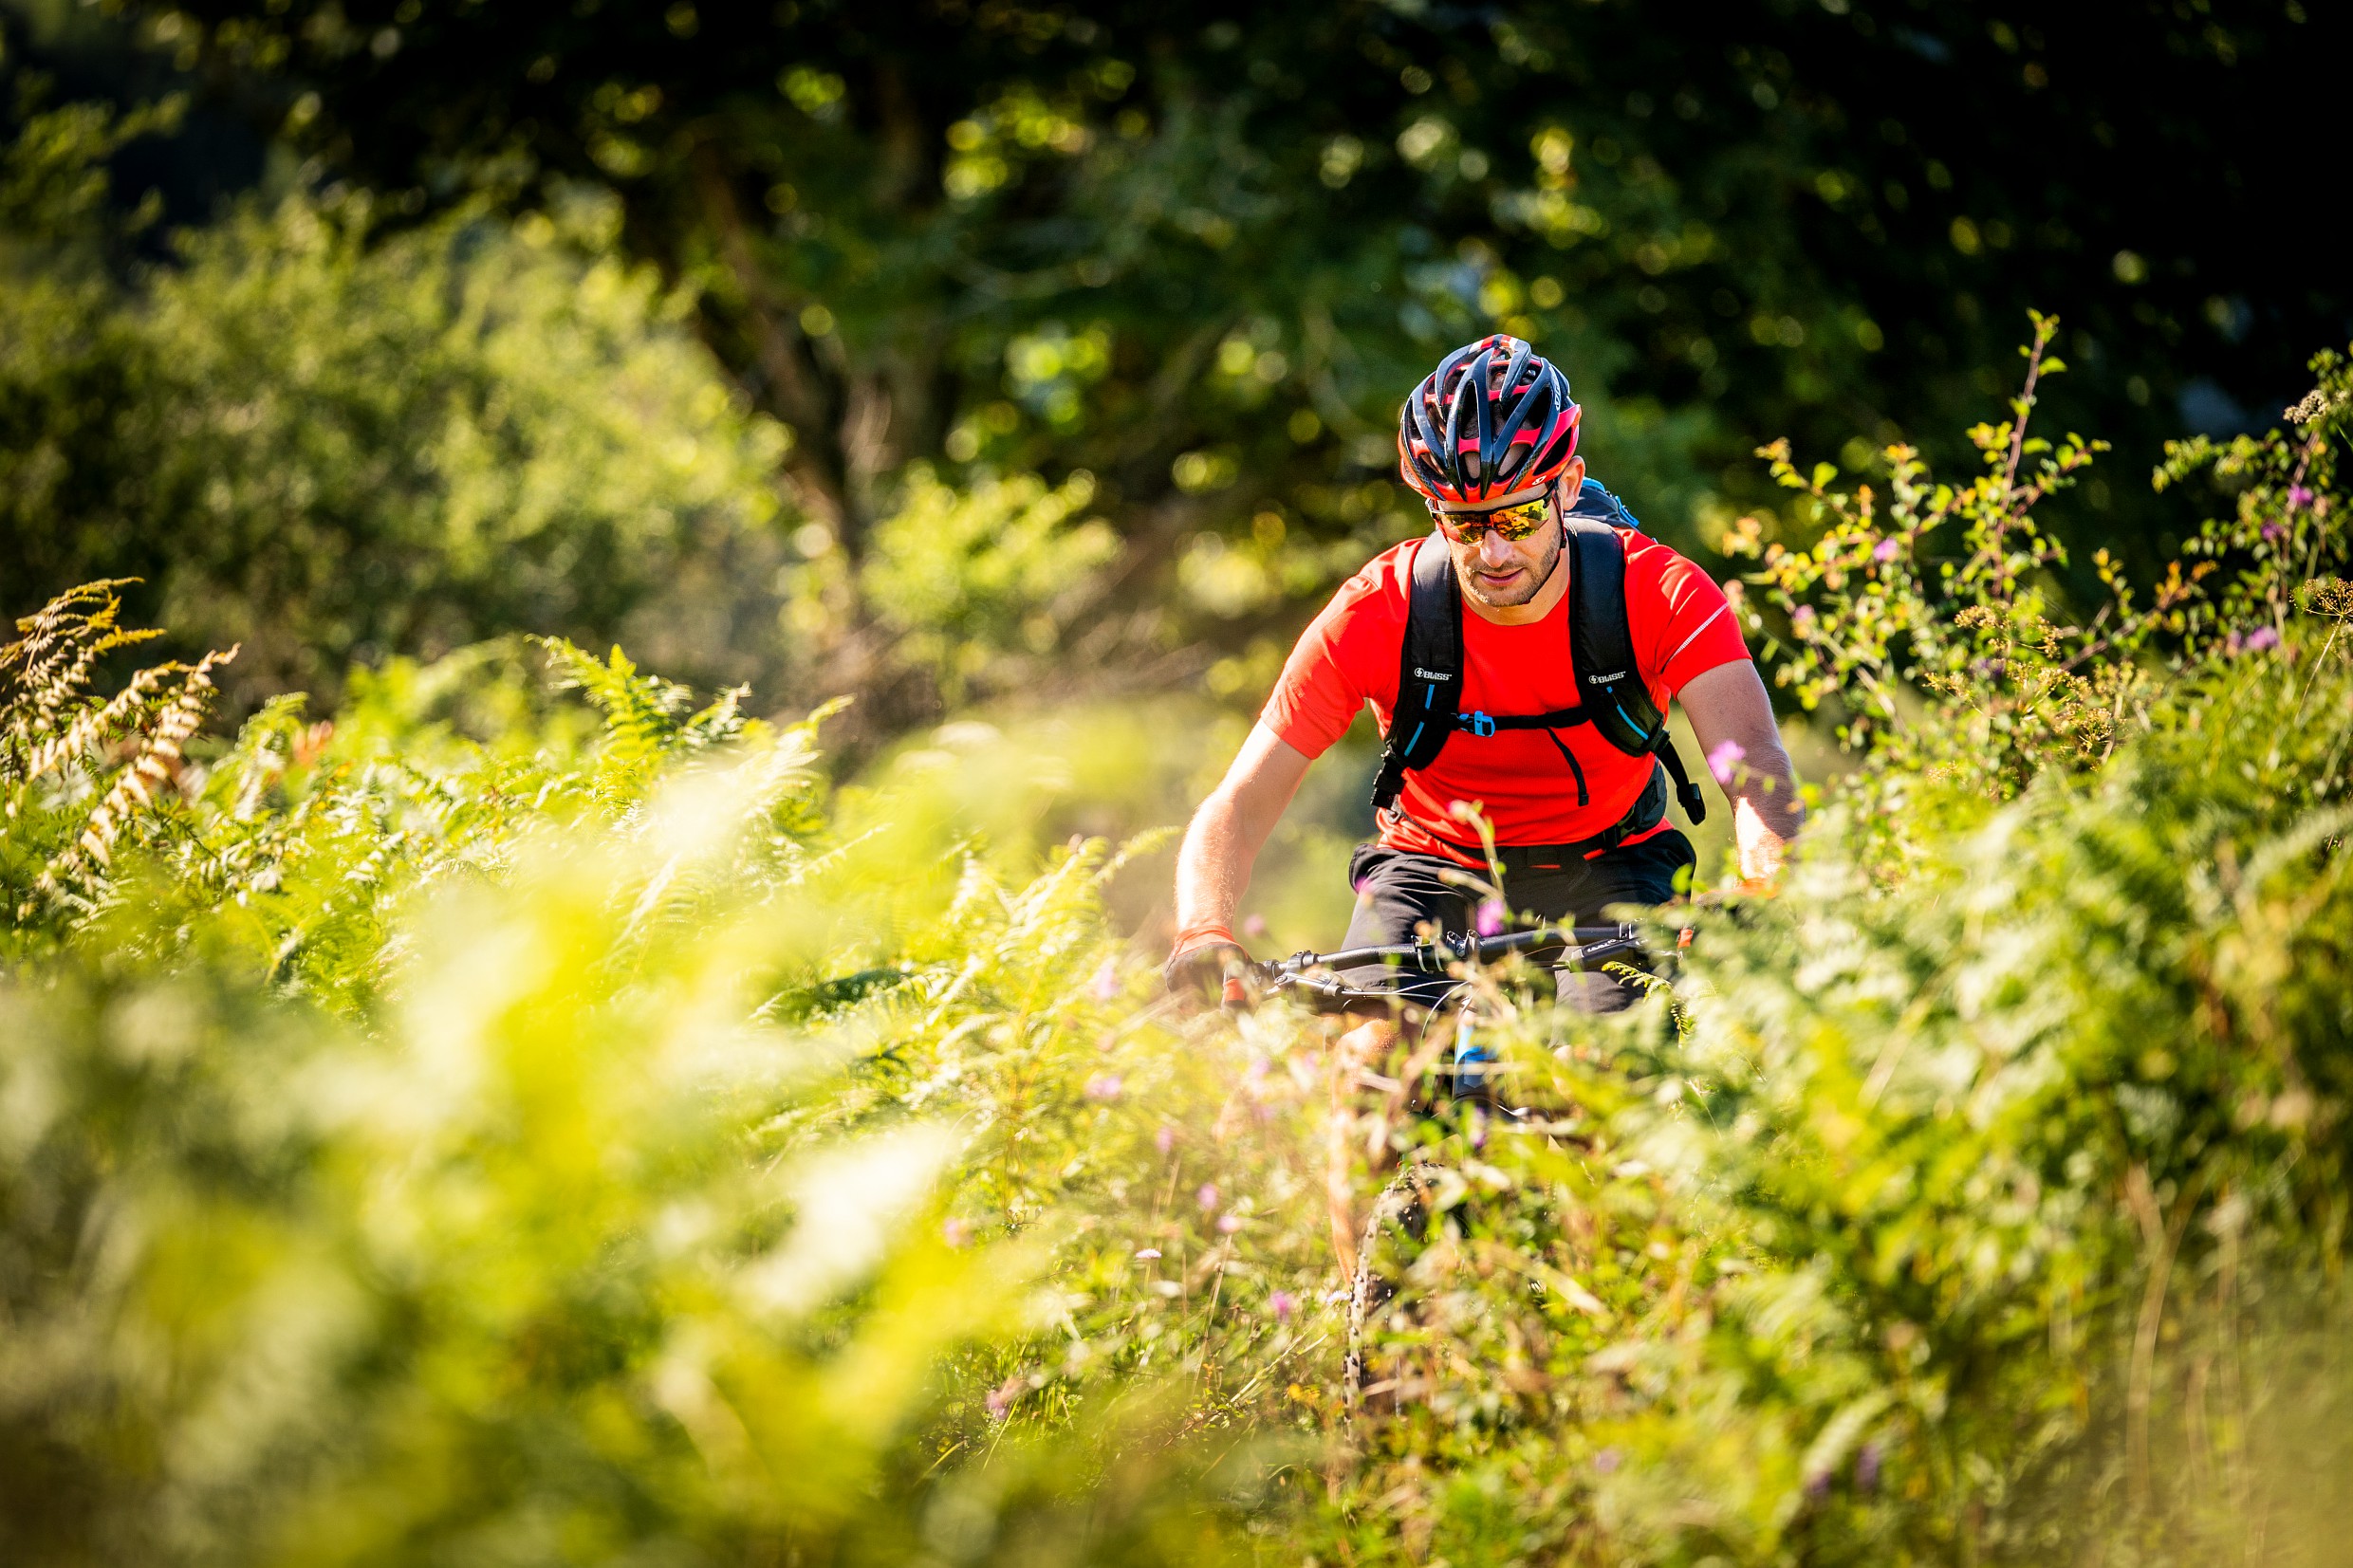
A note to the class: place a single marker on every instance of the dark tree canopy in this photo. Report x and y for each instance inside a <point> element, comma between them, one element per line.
<point>1201,252</point>
<point>1772,217</point>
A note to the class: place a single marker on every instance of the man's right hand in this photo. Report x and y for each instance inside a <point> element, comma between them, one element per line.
<point>1203,961</point>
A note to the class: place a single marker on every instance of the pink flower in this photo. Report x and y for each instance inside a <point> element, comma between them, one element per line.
<point>1491,917</point>
<point>1886,549</point>
<point>1283,1303</point>
<point>1106,981</point>
<point>1165,1140</point>
<point>956,1232</point>
<point>1725,759</point>
<point>2299,496</point>
<point>1607,1460</point>
<point>1801,616</point>
<point>2275,532</point>
<point>1254,925</point>
<point>1104,1086</point>
<point>1229,1224</point>
<point>1147,1254</point>
<point>2260,639</point>
<point>1001,1397</point>
<point>1207,1197</point>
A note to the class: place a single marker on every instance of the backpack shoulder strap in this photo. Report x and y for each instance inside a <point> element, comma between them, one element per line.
<point>1429,672</point>
<point>1600,648</point>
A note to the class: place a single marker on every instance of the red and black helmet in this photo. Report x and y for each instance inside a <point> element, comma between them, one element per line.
<point>1493,417</point>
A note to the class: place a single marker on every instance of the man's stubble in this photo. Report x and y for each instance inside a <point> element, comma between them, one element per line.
<point>1540,574</point>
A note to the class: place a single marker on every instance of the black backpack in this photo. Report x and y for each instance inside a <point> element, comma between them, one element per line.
<point>1615,701</point>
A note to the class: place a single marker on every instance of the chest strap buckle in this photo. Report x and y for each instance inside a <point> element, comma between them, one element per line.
<point>1479,724</point>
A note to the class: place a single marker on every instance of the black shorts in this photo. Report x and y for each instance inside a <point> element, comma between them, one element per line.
<point>1398,892</point>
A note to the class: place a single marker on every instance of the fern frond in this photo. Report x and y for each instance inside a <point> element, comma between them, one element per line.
<point>152,769</point>
<point>50,663</point>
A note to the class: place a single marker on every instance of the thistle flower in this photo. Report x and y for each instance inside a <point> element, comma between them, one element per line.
<point>1491,917</point>
<point>1283,1303</point>
<point>1725,760</point>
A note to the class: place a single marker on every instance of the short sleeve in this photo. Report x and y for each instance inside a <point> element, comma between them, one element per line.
<point>1329,675</point>
<point>1681,623</point>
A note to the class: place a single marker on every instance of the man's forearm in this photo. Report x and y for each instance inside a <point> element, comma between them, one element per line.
<point>1223,841</point>
<point>1767,783</point>
<point>1212,868</point>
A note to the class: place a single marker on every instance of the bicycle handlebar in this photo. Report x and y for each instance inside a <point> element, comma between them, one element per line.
<point>1576,944</point>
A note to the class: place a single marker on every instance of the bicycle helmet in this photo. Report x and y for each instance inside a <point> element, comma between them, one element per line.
<point>1494,417</point>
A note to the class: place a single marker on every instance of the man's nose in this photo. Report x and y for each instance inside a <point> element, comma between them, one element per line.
<point>1494,550</point>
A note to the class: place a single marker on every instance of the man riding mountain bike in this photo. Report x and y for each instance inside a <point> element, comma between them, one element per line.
<point>1519,660</point>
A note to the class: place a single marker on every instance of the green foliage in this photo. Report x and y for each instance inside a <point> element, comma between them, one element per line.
<point>1202,256</point>
<point>983,580</point>
<point>1942,639</point>
<point>332,443</point>
<point>532,1116</point>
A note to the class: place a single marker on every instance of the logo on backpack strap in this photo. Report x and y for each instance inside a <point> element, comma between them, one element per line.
<point>1419,674</point>
<point>1605,680</point>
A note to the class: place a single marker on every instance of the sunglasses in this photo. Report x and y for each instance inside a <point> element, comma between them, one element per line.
<point>1511,523</point>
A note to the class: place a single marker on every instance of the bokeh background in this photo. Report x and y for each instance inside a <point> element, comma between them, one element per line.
<point>1036,365</point>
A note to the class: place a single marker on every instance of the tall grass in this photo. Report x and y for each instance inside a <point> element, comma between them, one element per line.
<point>535,1116</point>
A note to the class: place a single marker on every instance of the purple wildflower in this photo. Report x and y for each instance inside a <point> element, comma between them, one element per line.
<point>1001,1397</point>
<point>1103,1087</point>
<point>1490,916</point>
<point>1254,925</point>
<point>1818,1486</point>
<point>1867,1466</point>
<point>1886,549</point>
<point>1607,1461</point>
<point>1802,618</point>
<point>1165,1140</point>
<point>1106,981</point>
<point>1229,1224</point>
<point>2260,639</point>
<point>1207,1197</point>
<point>1147,1254</point>
<point>2299,496</point>
<point>956,1232</point>
<point>1725,759</point>
<point>2275,532</point>
<point>1283,1303</point>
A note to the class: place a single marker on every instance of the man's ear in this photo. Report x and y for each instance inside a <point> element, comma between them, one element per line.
<point>1572,480</point>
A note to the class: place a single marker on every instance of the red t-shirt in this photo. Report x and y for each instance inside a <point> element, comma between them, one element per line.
<point>1680,624</point>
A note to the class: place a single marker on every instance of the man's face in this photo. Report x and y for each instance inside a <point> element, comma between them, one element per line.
<point>1500,572</point>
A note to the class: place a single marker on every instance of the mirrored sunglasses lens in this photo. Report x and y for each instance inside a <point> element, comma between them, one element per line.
<point>1517,523</point>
